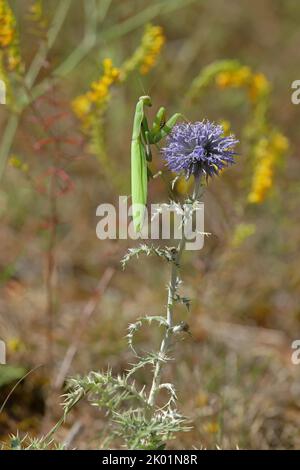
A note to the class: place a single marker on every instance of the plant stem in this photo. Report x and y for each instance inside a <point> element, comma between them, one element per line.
<point>85,46</point>
<point>45,47</point>
<point>165,344</point>
<point>167,337</point>
<point>8,136</point>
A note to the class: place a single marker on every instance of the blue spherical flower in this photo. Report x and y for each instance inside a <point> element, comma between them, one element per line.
<point>199,148</point>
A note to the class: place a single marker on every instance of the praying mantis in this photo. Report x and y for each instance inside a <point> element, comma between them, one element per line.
<point>142,139</point>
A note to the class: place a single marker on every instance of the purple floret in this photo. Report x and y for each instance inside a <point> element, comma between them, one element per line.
<point>199,148</point>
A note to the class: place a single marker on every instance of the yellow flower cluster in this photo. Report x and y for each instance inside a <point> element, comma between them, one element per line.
<point>36,13</point>
<point>234,78</point>
<point>8,36</point>
<point>212,427</point>
<point>98,95</point>
<point>15,162</point>
<point>226,126</point>
<point>7,23</point>
<point>15,345</point>
<point>145,57</point>
<point>259,87</point>
<point>268,151</point>
<point>152,44</point>
<point>256,84</point>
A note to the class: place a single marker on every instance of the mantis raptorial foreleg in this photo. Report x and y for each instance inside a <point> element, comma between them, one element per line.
<point>159,121</point>
<point>165,129</point>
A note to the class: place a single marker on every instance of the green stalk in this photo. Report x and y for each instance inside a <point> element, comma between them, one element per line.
<point>165,344</point>
<point>7,139</point>
<point>45,47</point>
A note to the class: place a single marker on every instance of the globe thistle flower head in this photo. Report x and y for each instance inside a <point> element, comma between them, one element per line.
<point>199,148</point>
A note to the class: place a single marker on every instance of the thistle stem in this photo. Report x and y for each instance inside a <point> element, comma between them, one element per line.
<point>165,344</point>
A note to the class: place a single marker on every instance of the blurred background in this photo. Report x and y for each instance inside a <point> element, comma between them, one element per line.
<point>74,71</point>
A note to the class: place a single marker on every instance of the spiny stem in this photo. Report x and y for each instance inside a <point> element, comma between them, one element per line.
<point>170,308</point>
<point>167,337</point>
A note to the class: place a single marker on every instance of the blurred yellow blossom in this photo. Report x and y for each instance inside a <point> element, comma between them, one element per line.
<point>267,152</point>
<point>259,87</point>
<point>9,42</point>
<point>17,163</point>
<point>234,78</point>
<point>14,345</point>
<point>201,399</point>
<point>263,180</point>
<point>280,142</point>
<point>36,13</point>
<point>7,23</point>
<point>152,44</point>
<point>256,84</point>
<point>145,56</point>
<point>226,126</point>
<point>81,106</point>
<point>212,427</point>
<point>98,95</point>
<point>100,89</point>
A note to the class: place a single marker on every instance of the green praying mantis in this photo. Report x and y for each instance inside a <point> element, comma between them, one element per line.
<point>142,139</point>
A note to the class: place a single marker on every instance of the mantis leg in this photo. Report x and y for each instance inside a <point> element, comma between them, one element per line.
<point>146,139</point>
<point>166,129</point>
<point>159,121</point>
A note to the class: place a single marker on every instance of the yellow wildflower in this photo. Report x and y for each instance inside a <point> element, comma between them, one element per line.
<point>7,23</point>
<point>17,163</point>
<point>223,79</point>
<point>226,126</point>
<point>268,152</point>
<point>145,57</point>
<point>14,345</point>
<point>201,399</point>
<point>152,44</point>
<point>259,87</point>
<point>242,76</point>
<point>81,106</point>
<point>263,179</point>
<point>36,13</point>
<point>256,84</point>
<point>100,89</point>
<point>98,95</point>
<point>280,142</point>
<point>8,36</point>
<point>212,427</point>
<point>234,78</point>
